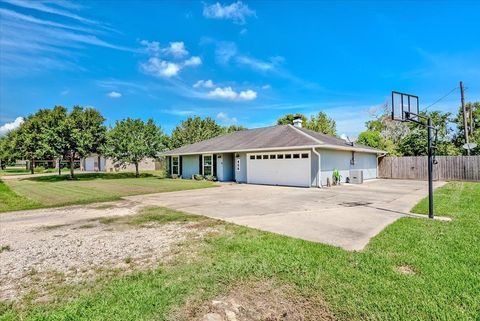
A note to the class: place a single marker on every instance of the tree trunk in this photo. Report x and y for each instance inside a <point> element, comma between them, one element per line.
<point>59,166</point>
<point>32,166</point>
<point>137,174</point>
<point>72,164</point>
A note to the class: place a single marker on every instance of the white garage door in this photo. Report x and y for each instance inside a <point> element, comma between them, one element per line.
<point>280,168</point>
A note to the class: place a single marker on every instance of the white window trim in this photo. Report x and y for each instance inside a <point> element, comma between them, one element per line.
<point>203,163</point>
<point>178,166</point>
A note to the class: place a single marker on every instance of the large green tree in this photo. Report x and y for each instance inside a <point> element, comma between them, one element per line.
<point>83,133</point>
<point>132,140</point>
<point>193,130</point>
<point>31,138</point>
<point>233,128</point>
<point>322,123</point>
<point>288,119</point>
<point>8,151</point>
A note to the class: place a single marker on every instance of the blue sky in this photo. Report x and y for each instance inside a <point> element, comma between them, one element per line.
<point>244,63</point>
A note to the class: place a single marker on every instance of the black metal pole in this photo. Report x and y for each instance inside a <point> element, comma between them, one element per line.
<point>430,170</point>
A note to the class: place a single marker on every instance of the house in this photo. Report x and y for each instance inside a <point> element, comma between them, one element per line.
<point>98,163</point>
<point>279,155</point>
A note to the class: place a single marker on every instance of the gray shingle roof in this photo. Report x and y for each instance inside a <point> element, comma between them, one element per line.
<point>280,136</point>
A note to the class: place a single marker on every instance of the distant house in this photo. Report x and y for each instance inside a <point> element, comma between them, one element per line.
<point>98,163</point>
<point>278,155</point>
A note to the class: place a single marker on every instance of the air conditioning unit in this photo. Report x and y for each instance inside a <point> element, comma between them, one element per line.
<point>356,176</point>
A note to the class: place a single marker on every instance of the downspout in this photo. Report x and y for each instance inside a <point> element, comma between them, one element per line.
<point>319,182</point>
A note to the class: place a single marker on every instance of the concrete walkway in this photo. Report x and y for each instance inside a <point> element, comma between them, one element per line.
<point>347,216</point>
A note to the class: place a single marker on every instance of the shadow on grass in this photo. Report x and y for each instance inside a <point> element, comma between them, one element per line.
<point>89,177</point>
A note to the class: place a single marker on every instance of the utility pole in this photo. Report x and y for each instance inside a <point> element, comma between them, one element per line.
<point>465,123</point>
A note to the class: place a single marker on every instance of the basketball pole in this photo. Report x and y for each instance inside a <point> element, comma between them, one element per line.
<point>430,169</point>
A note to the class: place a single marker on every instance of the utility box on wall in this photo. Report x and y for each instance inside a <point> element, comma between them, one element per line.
<point>356,176</point>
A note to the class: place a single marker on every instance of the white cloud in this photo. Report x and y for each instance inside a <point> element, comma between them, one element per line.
<point>176,49</point>
<point>229,94</point>
<point>5,128</point>
<point>225,51</point>
<point>247,95</point>
<point>237,12</point>
<point>193,61</point>
<point>204,84</point>
<point>160,68</point>
<point>114,94</point>
<point>266,87</point>
<point>223,117</point>
<point>158,65</point>
<point>65,92</point>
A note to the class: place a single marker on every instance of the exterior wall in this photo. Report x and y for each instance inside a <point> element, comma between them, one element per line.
<point>90,163</point>
<point>191,165</point>
<point>241,175</point>
<point>334,159</point>
<point>148,164</point>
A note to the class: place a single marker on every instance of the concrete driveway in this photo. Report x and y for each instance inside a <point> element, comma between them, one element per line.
<point>346,216</point>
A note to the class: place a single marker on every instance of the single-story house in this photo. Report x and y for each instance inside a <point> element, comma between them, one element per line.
<point>278,155</point>
<point>98,163</point>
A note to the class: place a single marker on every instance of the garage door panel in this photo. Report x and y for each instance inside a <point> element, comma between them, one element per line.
<point>269,169</point>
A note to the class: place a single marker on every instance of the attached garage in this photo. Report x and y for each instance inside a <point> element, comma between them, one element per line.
<point>289,168</point>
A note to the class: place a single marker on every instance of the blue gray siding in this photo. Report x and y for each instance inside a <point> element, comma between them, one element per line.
<point>335,159</point>
<point>241,175</point>
<point>190,165</point>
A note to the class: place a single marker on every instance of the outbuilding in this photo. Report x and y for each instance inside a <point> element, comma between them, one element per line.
<point>278,155</point>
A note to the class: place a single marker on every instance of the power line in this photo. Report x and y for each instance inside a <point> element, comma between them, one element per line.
<point>441,98</point>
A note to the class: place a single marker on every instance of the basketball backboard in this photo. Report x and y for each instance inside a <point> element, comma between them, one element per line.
<point>404,106</point>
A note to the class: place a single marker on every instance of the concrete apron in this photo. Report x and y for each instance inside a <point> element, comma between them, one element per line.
<point>319,219</point>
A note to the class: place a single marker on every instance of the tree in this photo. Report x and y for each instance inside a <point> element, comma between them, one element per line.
<point>31,140</point>
<point>132,140</point>
<point>373,139</point>
<point>193,130</point>
<point>8,153</point>
<point>474,133</point>
<point>322,123</point>
<point>414,143</point>
<point>288,119</point>
<point>82,133</point>
<point>233,128</point>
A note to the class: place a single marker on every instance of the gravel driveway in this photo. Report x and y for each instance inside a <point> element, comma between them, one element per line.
<point>70,245</point>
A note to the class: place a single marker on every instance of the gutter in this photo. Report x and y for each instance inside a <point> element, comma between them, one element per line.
<point>319,181</point>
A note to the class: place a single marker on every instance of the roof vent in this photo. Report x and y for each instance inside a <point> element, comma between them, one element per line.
<point>297,122</point>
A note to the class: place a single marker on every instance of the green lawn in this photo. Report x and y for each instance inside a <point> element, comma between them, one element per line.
<point>13,171</point>
<point>48,191</point>
<point>442,258</point>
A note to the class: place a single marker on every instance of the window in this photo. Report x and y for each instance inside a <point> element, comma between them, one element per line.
<point>237,165</point>
<point>296,155</point>
<point>207,165</point>
<point>304,155</point>
<point>280,156</point>
<point>252,156</point>
<point>259,156</point>
<point>288,156</point>
<point>272,156</point>
<point>175,165</point>
<point>265,156</point>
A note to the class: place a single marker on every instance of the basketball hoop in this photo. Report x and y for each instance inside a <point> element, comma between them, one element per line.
<point>405,108</point>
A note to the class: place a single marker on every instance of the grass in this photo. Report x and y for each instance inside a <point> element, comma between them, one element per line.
<point>11,201</point>
<point>13,171</point>
<point>5,248</point>
<point>441,258</point>
<point>51,191</point>
<point>153,214</point>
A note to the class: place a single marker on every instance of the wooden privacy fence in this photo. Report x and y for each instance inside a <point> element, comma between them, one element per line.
<point>460,168</point>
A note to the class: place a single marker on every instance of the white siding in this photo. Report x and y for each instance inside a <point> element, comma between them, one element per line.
<point>334,159</point>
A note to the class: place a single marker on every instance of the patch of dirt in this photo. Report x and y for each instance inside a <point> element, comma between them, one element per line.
<point>405,269</point>
<point>68,246</point>
<point>258,301</point>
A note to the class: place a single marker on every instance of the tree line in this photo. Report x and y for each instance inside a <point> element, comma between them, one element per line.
<point>69,135</point>
<point>61,134</point>
<point>410,139</point>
